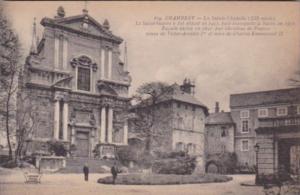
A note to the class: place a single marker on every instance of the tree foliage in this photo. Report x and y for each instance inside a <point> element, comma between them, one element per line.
<point>26,118</point>
<point>146,98</point>
<point>9,70</point>
<point>295,80</point>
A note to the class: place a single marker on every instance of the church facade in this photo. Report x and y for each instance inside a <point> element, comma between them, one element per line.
<point>79,84</point>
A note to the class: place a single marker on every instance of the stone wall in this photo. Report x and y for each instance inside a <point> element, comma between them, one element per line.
<point>245,156</point>
<point>217,141</point>
<point>267,157</point>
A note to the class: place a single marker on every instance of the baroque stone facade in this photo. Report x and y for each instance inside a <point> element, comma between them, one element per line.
<point>80,84</point>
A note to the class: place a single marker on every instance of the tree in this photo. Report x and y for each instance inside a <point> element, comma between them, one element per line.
<point>146,99</point>
<point>9,69</point>
<point>295,80</point>
<point>26,118</point>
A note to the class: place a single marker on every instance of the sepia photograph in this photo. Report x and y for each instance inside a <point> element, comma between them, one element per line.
<point>150,97</point>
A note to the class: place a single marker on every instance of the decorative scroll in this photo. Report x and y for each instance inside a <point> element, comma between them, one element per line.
<point>83,61</point>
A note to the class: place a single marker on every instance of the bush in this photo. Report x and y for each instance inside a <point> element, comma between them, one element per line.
<point>141,158</point>
<point>10,164</point>
<point>57,148</point>
<point>174,154</point>
<point>125,155</point>
<point>179,166</point>
<point>226,162</point>
<point>158,179</point>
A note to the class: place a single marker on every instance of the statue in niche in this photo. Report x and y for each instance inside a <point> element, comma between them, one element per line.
<point>92,119</point>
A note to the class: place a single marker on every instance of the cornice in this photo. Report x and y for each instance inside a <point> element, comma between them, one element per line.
<point>51,23</point>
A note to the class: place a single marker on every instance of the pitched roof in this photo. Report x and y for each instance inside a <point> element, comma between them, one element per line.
<point>219,118</point>
<point>178,95</point>
<point>289,95</point>
<point>64,22</point>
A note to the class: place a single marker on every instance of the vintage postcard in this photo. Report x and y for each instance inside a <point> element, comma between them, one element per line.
<point>150,97</point>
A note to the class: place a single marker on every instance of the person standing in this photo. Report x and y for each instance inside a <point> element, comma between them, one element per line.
<point>114,172</point>
<point>86,172</point>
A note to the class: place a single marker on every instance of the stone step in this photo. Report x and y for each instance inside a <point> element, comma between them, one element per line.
<point>75,165</point>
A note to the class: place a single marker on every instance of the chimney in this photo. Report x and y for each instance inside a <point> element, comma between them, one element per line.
<point>188,86</point>
<point>217,108</point>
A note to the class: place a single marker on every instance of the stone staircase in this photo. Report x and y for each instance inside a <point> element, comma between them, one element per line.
<point>75,165</point>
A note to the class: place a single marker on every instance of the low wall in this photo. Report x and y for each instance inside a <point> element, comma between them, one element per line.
<point>50,163</point>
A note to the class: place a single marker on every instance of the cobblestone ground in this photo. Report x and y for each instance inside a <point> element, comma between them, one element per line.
<point>61,184</point>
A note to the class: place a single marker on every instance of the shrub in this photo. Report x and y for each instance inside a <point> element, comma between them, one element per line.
<point>180,165</point>
<point>174,154</point>
<point>139,157</point>
<point>158,179</point>
<point>125,155</point>
<point>57,148</point>
<point>10,164</point>
<point>226,162</point>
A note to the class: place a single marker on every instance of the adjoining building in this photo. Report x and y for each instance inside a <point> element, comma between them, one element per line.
<point>270,119</point>
<point>275,117</point>
<point>80,85</point>
<point>181,122</point>
<point>265,128</point>
<point>219,140</point>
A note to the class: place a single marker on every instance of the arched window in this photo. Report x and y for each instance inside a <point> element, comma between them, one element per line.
<point>84,67</point>
<point>84,79</point>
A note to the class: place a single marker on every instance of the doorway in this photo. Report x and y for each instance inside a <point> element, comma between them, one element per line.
<point>82,144</point>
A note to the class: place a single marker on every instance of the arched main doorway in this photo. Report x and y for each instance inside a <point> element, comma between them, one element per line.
<point>289,155</point>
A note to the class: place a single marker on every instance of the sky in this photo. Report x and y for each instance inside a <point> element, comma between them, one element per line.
<point>219,65</point>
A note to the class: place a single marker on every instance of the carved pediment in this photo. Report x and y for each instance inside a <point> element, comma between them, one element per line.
<point>83,61</point>
<point>82,23</point>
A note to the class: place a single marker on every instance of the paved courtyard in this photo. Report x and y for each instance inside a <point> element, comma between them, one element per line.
<point>60,184</point>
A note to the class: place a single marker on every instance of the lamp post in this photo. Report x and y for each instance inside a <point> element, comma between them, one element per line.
<point>256,148</point>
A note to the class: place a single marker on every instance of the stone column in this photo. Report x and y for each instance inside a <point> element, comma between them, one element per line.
<point>102,63</point>
<point>109,64</point>
<point>110,124</point>
<point>92,85</point>
<point>56,120</point>
<point>103,125</point>
<point>56,52</point>
<point>125,133</point>
<point>65,54</point>
<point>65,121</point>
